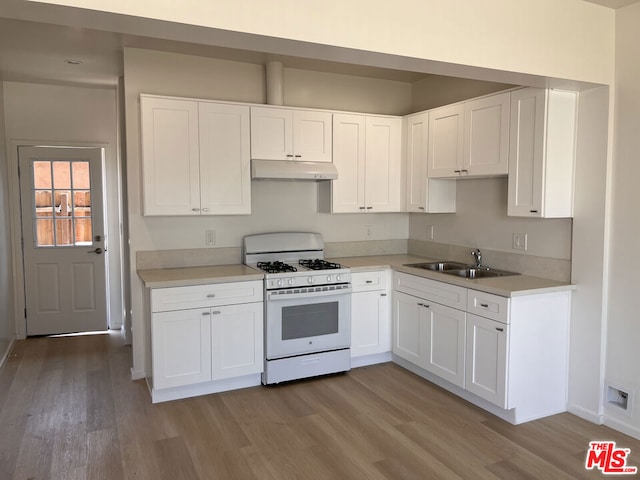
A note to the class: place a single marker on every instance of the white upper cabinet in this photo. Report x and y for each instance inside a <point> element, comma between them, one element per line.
<point>446,141</point>
<point>170,156</point>
<point>470,139</point>
<point>542,153</point>
<point>225,167</point>
<point>486,136</point>
<point>286,134</point>
<point>424,195</point>
<point>195,157</point>
<point>367,153</point>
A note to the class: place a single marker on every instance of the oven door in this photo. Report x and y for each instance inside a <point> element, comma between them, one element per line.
<point>300,323</point>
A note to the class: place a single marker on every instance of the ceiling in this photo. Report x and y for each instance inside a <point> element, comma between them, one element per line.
<point>39,52</point>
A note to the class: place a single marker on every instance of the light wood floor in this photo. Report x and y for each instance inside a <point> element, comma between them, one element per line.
<point>68,410</point>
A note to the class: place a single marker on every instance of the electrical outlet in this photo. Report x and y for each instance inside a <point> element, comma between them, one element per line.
<point>210,238</point>
<point>429,232</point>
<point>368,229</point>
<point>519,241</point>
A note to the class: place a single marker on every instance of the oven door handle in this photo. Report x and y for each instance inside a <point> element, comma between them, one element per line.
<point>275,296</point>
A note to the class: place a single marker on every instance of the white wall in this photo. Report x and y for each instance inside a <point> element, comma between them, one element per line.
<point>436,90</point>
<point>481,221</point>
<point>623,332</point>
<point>276,205</point>
<point>72,115</point>
<point>569,39</point>
<point>7,314</point>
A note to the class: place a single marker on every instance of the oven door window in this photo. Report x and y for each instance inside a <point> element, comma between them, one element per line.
<point>303,321</point>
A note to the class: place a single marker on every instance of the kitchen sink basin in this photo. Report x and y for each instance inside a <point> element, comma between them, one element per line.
<point>438,266</point>
<point>484,272</point>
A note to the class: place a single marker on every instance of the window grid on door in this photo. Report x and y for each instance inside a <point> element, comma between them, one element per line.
<point>62,203</point>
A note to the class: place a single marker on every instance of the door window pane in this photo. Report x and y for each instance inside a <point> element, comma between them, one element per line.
<point>61,174</point>
<point>62,214</point>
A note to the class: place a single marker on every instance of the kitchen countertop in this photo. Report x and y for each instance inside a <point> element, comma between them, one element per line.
<point>183,277</point>
<point>507,286</point>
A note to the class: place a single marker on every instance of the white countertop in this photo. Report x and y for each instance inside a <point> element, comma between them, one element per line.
<point>507,286</point>
<point>182,277</point>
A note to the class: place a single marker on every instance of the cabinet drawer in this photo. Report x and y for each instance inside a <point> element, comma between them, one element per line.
<point>201,296</point>
<point>365,281</point>
<point>439,292</point>
<point>488,306</point>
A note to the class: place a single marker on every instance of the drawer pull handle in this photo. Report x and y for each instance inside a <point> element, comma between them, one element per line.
<point>369,281</point>
<point>456,171</point>
<point>500,329</point>
<point>216,312</point>
<point>211,295</point>
<point>383,294</point>
<point>533,211</point>
<point>485,305</point>
<point>206,313</point>
<point>423,305</point>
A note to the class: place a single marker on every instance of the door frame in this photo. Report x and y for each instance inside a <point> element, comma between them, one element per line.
<point>113,227</point>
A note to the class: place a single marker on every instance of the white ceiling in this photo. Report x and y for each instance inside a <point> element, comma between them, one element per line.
<point>37,52</point>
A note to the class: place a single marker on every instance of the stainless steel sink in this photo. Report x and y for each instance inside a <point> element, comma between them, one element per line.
<point>438,266</point>
<point>483,272</point>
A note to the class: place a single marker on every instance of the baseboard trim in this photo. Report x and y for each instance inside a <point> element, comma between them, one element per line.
<point>137,374</point>
<point>372,359</point>
<point>622,427</point>
<point>585,414</point>
<point>7,352</point>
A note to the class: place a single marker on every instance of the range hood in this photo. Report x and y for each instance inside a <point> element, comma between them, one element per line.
<point>292,170</point>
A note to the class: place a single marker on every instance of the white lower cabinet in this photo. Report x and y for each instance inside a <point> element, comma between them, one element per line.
<point>430,335</point>
<point>181,347</point>
<point>507,355</point>
<point>370,318</point>
<point>236,340</point>
<point>486,365</point>
<point>215,347</point>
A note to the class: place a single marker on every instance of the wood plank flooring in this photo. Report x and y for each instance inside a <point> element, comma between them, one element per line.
<point>68,410</point>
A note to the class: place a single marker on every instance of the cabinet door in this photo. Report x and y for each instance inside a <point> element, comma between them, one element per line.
<point>416,182</point>
<point>370,323</point>
<point>271,133</point>
<point>486,363</point>
<point>347,192</point>
<point>225,171</point>
<point>526,152</point>
<point>406,327</point>
<point>181,347</point>
<point>443,338</point>
<point>486,142</point>
<point>383,165</point>
<point>446,141</point>
<point>170,156</point>
<point>237,340</point>
<point>312,136</point>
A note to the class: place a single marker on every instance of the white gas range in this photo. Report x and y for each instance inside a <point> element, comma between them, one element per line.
<point>307,306</point>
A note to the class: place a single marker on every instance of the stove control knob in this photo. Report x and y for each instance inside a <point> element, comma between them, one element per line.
<point>280,282</point>
<point>328,278</point>
<point>290,281</point>
<point>338,278</point>
<point>310,279</point>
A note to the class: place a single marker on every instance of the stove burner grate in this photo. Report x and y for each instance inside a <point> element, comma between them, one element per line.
<point>318,264</point>
<point>276,267</point>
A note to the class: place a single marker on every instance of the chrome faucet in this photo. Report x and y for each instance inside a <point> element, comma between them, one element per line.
<point>478,256</point>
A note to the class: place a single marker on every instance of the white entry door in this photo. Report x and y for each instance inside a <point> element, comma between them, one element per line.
<point>63,239</point>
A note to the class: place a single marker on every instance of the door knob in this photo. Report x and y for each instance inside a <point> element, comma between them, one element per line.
<point>97,251</point>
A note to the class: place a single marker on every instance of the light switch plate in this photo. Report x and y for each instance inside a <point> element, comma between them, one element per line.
<point>519,241</point>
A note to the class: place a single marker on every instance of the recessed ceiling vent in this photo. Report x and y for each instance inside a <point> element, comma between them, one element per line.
<point>275,83</point>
